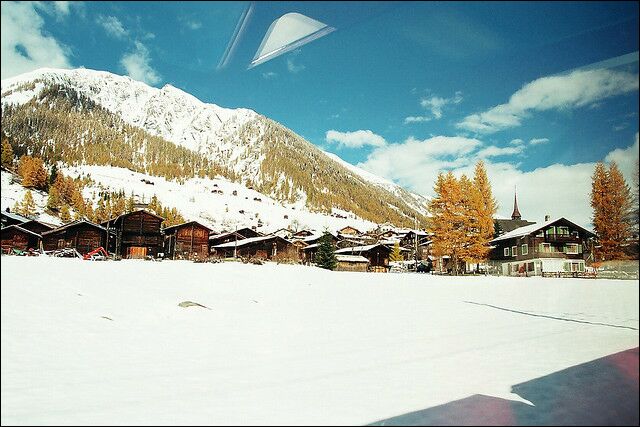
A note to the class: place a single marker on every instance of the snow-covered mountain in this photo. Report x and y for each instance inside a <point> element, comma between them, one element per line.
<point>255,150</point>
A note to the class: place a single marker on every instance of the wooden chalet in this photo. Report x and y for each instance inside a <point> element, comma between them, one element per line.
<point>37,226</point>
<point>285,233</point>
<point>352,263</point>
<point>81,235</point>
<point>301,234</point>
<point>9,218</point>
<point>187,241</point>
<point>18,238</point>
<point>248,232</point>
<point>137,234</point>
<point>315,238</point>
<point>554,246</point>
<point>349,231</point>
<point>377,254</point>
<point>218,239</point>
<point>262,247</point>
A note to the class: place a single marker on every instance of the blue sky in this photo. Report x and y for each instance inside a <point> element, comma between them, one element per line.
<point>404,90</point>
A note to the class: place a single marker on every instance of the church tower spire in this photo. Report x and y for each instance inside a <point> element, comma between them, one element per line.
<point>516,212</point>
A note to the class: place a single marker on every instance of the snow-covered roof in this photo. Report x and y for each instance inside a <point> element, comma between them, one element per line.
<point>315,245</point>
<point>528,229</point>
<point>74,223</point>
<point>351,258</point>
<point>15,216</point>
<point>359,248</point>
<point>225,234</point>
<point>248,241</point>
<point>24,230</point>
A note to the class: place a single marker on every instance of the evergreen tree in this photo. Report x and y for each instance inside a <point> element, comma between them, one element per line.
<point>28,206</point>
<point>101,214</point>
<point>326,255</point>
<point>154,206</point>
<point>65,215</point>
<point>7,154</point>
<point>395,254</point>
<point>54,199</point>
<point>53,175</point>
<point>130,204</point>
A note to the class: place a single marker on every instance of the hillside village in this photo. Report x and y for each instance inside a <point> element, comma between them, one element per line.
<point>555,247</point>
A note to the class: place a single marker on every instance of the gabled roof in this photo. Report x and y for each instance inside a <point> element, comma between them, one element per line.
<point>131,213</point>
<point>46,224</point>
<point>17,227</point>
<point>225,234</point>
<point>185,224</point>
<point>528,229</point>
<point>245,242</point>
<point>360,248</point>
<point>15,216</point>
<point>73,224</point>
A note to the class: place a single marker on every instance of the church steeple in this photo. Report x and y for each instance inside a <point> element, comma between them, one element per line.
<point>516,212</point>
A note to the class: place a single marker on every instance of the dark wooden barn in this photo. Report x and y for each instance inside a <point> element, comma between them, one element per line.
<point>81,235</point>
<point>16,237</point>
<point>9,218</point>
<point>187,241</point>
<point>263,247</point>
<point>137,234</point>
<point>37,226</point>
<point>378,255</point>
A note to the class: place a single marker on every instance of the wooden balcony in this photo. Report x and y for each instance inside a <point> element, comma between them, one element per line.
<point>561,238</point>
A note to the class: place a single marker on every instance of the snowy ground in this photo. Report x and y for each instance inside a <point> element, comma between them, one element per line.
<point>107,343</point>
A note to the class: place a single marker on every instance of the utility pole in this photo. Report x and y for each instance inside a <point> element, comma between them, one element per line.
<point>235,246</point>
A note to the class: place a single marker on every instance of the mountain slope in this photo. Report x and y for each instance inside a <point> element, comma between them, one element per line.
<point>92,117</point>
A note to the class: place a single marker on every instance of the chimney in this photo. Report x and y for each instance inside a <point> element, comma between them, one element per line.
<point>547,218</point>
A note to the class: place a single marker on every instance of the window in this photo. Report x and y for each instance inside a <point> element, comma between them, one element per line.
<point>563,231</point>
<point>551,231</point>
<point>571,248</point>
<point>514,251</point>
<point>524,250</point>
<point>506,251</point>
<point>545,247</point>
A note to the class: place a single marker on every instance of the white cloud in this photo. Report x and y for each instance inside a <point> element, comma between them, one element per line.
<point>356,139</point>
<point>415,163</point>
<point>416,119</point>
<point>293,67</point>
<point>516,141</point>
<point>435,104</point>
<point>24,47</point>
<point>556,190</point>
<point>577,89</point>
<point>538,141</point>
<point>112,26</point>
<point>269,75</point>
<point>137,65</point>
<point>493,151</point>
<point>626,159</point>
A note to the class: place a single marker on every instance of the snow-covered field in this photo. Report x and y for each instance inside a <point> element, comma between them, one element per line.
<point>103,343</point>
